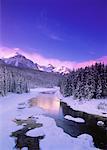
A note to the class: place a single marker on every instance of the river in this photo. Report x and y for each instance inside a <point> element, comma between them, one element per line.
<point>56,109</point>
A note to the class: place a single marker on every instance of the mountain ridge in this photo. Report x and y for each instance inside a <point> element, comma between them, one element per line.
<point>21,61</point>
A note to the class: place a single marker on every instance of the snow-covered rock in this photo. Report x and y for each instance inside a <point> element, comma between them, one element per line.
<point>35,132</point>
<point>100,123</point>
<point>80,120</point>
<point>24,148</point>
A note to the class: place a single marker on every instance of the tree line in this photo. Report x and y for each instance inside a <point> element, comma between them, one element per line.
<point>86,83</point>
<point>12,81</point>
<point>21,80</point>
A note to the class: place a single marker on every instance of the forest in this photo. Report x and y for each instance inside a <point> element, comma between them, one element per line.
<point>83,83</point>
<point>21,80</point>
<point>86,83</point>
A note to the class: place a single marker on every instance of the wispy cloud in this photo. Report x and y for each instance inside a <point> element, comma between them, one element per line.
<point>92,52</point>
<point>55,37</point>
<point>49,34</point>
<point>44,27</point>
<point>38,58</point>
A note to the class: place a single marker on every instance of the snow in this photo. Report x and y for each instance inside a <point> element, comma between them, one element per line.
<point>100,123</point>
<point>24,148</point>
<point>36,132</point>
<point>9,112</point>
<point>51,68</point>
<point>21,61</point>
<point>24,124</point>
<point>55,138</point>
<point>80,120</point>
<point>86,140</point>
<point>44,89</point>
<point>29,112</point>
<point>62,69</point>
<point>88,106</point>
<point>20,98</point>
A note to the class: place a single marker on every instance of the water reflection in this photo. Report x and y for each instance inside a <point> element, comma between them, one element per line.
<point>49,102</point>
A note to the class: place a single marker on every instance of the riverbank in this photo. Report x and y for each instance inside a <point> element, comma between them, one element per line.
<point>93,106</point>
<point>15,107</point>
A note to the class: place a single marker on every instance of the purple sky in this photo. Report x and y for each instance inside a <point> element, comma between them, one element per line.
<point>71,30</point>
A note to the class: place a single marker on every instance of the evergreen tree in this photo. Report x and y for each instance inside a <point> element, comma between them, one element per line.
<point>89,83</point>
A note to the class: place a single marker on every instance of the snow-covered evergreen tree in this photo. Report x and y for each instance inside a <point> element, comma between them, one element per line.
<point>90,82</point>
<point>19,80</point>
<point>1,81</point>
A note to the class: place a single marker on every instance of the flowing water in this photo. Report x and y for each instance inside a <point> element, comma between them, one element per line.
<point>56,109</point>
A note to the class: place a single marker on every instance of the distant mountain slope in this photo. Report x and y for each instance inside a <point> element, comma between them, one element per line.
<point>20,61</point>
<point>51,68</point>
<point>62,70</point>
<point>1,62</point>
<point>19,80</point>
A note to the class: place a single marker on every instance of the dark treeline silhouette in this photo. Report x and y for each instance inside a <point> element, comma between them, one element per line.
<point>89,82</point>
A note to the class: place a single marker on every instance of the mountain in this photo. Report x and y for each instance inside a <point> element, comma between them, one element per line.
<point>62,70</point>
<point>20,80</point>
<point>20,61</point>
<point>49,68</point>
<point>1,62</point>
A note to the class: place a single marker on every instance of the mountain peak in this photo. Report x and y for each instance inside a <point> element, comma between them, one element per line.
<point>19,55</point>
<point>21,61</point>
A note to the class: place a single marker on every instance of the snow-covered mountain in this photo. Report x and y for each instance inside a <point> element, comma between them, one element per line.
<point>51,68</point>
<point>20,61</point>
<point>63,70</point>
<point>1,61</point>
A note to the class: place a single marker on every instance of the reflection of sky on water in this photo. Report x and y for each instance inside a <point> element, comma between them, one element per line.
<point>48,102</point>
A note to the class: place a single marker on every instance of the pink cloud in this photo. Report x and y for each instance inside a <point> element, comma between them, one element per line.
<point>103,59</point>
<point>37,58</point>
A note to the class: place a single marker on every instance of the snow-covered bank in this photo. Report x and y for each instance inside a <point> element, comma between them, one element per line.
<point>12,100</point>
<point>44,89</point>
<point>55,138</point>
<point>8,112</point>
<point>80,120</point>
<point>88,106</point>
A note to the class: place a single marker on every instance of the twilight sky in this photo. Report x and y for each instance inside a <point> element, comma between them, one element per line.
<point>66,31</point>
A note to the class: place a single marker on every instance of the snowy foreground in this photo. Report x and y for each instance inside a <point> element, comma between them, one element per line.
<point>55,138</point>
<point>96,107</point>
